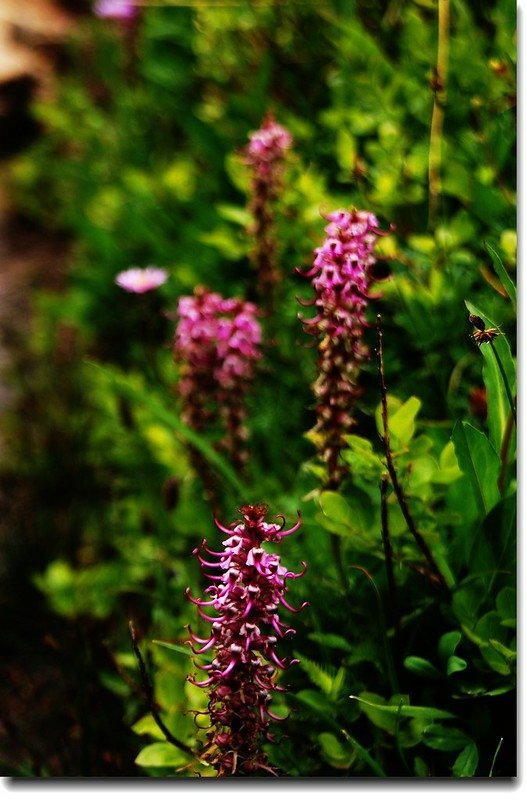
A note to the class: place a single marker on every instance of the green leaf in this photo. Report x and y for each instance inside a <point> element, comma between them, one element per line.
<point>402,423</point>
<point>420,666</point>
<point>317,702</point>
<point>455,664</point>
<point>480,462</point>
<point>421,768</point>
<point>417,712</point>
<point>124,385</point>
<point>506,604</point>
<point>332,640</point>
<point>161,754</point>
<point>497,400</point>
<point>317,674</point>
<point>336,508</point>
<point>147,725</point>
<point>466,763</point>
<point>447,644</point>
<point>441,737</point>
<point>335,752</point>
<point>503,275</point>
<point>449,470</point>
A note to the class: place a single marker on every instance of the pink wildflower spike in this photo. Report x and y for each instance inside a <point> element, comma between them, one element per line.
<point>265,156</point>
<point>243,671</point>
<point>340,276</point>
<point>139,281</point>
<point>217,343</point>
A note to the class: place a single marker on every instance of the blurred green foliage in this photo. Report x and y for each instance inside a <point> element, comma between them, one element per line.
<point>139,163</point>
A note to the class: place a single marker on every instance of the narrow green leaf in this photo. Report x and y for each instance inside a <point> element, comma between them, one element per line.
<point>480,462</point>
<point>466,763</point>
<point>418,712</point>
<point>497,401</point>
<point>503,275</point>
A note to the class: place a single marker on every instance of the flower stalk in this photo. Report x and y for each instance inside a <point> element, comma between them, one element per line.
<point>265,155</point>
<point>341,278</point>
<point>248,587</point>
<point>217,344</point>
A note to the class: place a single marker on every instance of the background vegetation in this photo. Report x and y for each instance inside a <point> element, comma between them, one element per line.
<point>138,162</point>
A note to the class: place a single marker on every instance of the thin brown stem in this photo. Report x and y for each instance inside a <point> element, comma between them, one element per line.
<point>148,689</point>
<point>388,560</point>
<point>401,498</point>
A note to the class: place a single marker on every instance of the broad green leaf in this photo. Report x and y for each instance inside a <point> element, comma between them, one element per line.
<point>335,507</point>
<point>449,470</point>
<point>161,754</point>
<point>466,763</point>
<point>317,702</point>
<point>497,401</point>
<point>455,664</point>
<point>402,423</point>
<point>480,462</point>
<point>447,644</point>
<point>441,737</point>
<point>503,275</point>
<point>147,725</point>
<point>420,666</point>
<point>335,752</point>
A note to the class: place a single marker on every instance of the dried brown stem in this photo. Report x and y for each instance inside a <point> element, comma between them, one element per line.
<point>148,689</point>
<point>388,560</point>
<point>401,498</point>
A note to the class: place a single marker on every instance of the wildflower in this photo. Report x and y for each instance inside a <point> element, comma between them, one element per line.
<point>246,593</point>
<point>265,155</point>
<point>119,10</point>
<point>138,281</point>
<point>341,279</point>
<point>217,342</point>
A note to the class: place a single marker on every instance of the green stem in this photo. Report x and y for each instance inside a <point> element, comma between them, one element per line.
<point>438,113</point>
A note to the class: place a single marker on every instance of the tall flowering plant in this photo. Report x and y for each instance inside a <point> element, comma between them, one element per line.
<point>341,279</point>
<point>265,156</point>
<point>248,587</point>
<point>217,343</point>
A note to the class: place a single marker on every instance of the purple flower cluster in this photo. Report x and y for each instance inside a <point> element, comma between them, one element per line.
<point>122,11</point>
<point>265,155</point>
<point>267,146</point>
<point>217,343</point>
<point>341,278</point>
<point>246,593</point>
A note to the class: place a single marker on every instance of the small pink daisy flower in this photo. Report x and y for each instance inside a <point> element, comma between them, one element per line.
<point>139,281</point>
<point>118,10</point>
